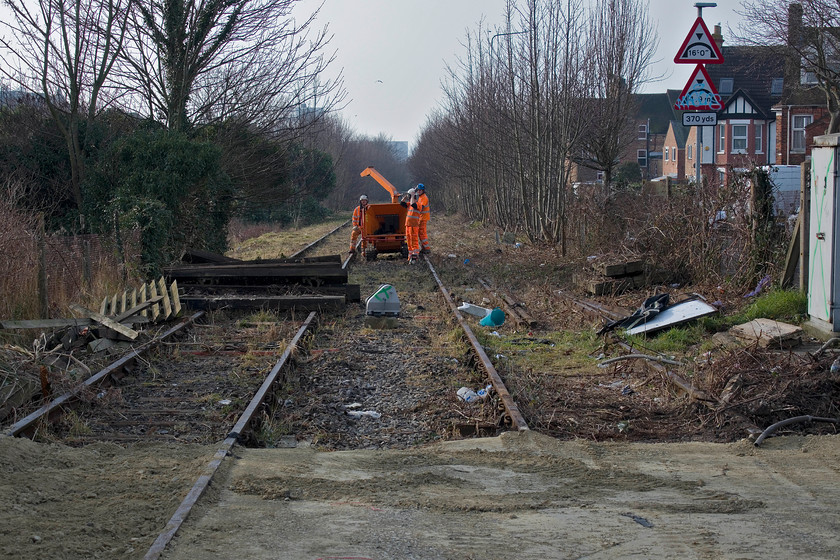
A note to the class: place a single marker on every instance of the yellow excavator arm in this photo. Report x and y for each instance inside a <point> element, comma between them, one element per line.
<point>395,195</point>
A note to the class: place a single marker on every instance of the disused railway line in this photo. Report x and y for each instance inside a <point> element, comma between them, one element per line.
<point>177,416</point>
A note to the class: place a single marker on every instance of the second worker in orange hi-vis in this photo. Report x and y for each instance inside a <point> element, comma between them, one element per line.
<point>412,225</point>
<point>425,214</point>
<point>358,223</point>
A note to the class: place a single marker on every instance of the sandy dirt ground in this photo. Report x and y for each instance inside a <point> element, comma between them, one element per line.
<point>523,495</point>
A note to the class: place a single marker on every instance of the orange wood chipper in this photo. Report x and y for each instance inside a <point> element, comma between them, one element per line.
<point>384,224</point>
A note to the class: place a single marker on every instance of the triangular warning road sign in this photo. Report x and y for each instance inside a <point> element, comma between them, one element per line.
<point>699,46</point>
<point>699,93</point>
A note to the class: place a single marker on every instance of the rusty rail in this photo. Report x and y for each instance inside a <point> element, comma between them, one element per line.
<point>244,421</point>
<point>512,410</point>
<point>25,424</point>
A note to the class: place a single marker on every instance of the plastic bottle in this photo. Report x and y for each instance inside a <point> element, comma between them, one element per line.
<point>467,395</point>
<point>484,393</point>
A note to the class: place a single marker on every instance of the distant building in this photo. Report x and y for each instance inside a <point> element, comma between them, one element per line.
<point>400,149</point>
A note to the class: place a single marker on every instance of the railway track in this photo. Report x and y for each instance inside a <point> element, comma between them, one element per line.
<point>335,380</point>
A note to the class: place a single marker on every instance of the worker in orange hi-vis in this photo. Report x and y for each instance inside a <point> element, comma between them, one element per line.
<point>358,223</point>
<point>425,214</point>
<point>412,225</point>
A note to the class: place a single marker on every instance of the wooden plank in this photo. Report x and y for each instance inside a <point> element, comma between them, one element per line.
<point>792,256</point>
<point>133,298</point>
<point>45,323</point>
<point>104,307</point>
<point>143,298</point>
<point>176,299</point>
<point>613,270</point>
<point>124,302</point>
<point>305,303</point>
<point>105,321</point>
<point>167,305</point>
<point>136,309</point>
<point>153,293</point>
<point>113,309</point>
<point>198,256</point>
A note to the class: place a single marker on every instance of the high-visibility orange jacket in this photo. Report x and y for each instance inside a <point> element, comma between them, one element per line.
<point>423,207</point>
<point>412,217</point>
<point>358,217</point>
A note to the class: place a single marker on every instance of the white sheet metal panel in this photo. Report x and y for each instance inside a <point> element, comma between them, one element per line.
<point>674,315</point>
<point>822,230</point>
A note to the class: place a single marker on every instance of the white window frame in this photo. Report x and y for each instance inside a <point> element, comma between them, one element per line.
<point>643,132</point>
<point>689,152</point>
<point>798,124</point>
<point>721,138</point>
<point>759,138</point>
<point>642,156</point>
<point>742,138</point>
<point>666,154</point>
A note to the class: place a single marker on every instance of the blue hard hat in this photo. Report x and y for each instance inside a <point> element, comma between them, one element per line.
<point>421,186</point>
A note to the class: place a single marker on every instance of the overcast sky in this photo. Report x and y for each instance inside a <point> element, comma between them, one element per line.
<point>394,52</point>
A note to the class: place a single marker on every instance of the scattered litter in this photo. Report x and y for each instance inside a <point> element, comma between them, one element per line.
<point>467,261</point>
<point>354,405</point>
<point>468,395</point>
<point>452,256</point>
<point>225,402</point>
<point>623,426</point>
<point>627,390</point>
<point>759,287</point>
<point>473,309</point>
<point>496,333</point>
<point>517,245</point>
<point>835,366</point>
<point>500,357</point>
<point>640,520</point>
<point>496,318</point>
<point>359,413</point>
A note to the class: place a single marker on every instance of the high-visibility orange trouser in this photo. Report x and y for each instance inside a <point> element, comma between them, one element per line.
<point>424,239</point>
<point>412,239</point>
<point>354,237</point>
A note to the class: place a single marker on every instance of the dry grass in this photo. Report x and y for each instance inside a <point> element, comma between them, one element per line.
<point>263,241</point>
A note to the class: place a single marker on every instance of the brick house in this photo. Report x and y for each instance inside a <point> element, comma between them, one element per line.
<point>749,83</point>
<point>649,127</point>
<point>673,152</point>
<point>801,113</point>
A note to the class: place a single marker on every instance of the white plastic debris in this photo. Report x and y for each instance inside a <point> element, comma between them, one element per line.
<point>359,413</point>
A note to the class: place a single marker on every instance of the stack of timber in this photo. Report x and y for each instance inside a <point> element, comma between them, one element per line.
<point>614,277</point>
<point>305,284</point>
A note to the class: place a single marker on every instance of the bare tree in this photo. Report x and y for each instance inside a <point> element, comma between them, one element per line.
<point>808,34</point>
<point>622,43</point>
<point>64,50</point>
<point>206,61</point>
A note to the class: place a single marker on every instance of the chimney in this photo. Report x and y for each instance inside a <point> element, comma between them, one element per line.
<point>718,36</point>
<point>795,25</point>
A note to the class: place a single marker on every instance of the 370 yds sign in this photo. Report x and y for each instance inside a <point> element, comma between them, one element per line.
<point>699,119</point>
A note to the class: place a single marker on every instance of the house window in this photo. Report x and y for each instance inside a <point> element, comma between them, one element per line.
<point>599,176</point>
<point>797,133</point>
<point>641,156</point>
<point>776,86</point>
<point>642,132</point>
<point>726,85</point>
<point>721,138</point>
<point>759,138</point>
<point>666,153</point>
<point>739,138</point>
<point>808,77</point>
<point>688,151</point>
<point>674,153</point>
